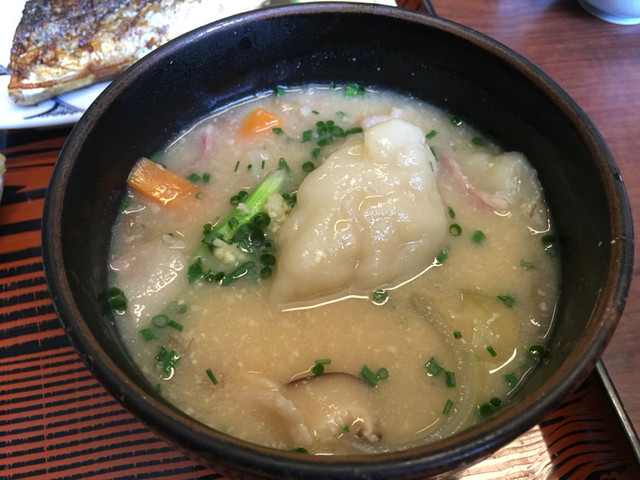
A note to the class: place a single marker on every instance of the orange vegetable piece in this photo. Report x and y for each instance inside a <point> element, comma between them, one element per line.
<point>159,184</point>
<point>258,121</point>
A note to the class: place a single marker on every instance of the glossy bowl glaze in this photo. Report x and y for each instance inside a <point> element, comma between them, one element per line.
<point>449,65</point>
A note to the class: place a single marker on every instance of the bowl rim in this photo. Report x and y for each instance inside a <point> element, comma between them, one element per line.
<point>465,447</point>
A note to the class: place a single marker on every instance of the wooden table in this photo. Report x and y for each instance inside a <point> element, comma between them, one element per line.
<point>56,421</point>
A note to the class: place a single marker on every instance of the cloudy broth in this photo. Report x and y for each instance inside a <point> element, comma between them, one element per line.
<point>367,325</point>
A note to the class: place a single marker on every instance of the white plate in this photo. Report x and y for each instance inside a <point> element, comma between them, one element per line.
<point>63,110</point>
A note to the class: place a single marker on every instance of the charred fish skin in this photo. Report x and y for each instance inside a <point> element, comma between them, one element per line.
<point>63,45</point>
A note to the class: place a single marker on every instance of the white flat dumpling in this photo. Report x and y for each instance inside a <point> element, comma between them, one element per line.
<point>369,217</point>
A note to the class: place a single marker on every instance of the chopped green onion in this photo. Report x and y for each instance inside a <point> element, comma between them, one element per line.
<point>176,325</point>
<point>318,368</point>
<point>193,177</point>
<point>195,270</point>
<point>345,429</point>
<point>450,379</point>
<point>431,134</point>
<point>477,141</point>
<point>315,152</point>
<point>485,409</point>
<point>526,265</point>
<point>478,237</point>
<point>382,373</point>
<point>167,359</point>
<point>368,375</point>
<point>117,299</point>
<point>491,351</point>
<point>308,167</point>
<point>537,352</point>
<point>441,257</point>
<point>277,130</point>
<point>125,204</point>
<point>452,213</point>
<point>299,450</point>
<point>455,230</point>
<point>379,297</point>
<point>160,320</point>
<point>353,89</point>
<point>512,380</point>
<point>211,376</point>
<point>237,164</point>
<point>549,244</point>
<point>455,121</point>
<point>148,334</point>
<point>447,407</point>
<point>508,300</point>
<point>457,334</point>
<point>206,177</point>
<point>278,91</point>
<point>433,368</point>
<point>307,135</point>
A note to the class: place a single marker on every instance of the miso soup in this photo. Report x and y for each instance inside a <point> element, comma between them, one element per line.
<point>335,270</point>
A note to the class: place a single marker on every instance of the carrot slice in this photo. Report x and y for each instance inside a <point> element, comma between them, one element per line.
<point>159,184</point>
<point>258,121</point>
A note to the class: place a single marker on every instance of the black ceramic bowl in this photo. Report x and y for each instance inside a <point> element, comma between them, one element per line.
<point>447,64</point>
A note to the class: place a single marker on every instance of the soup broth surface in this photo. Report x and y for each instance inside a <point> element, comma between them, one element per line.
<point>401,318</point>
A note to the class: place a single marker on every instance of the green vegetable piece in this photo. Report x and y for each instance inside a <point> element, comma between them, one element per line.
<point>450,379</point>
<point>307,135</point>
<point>148,334</point>
<point>193,177</point>
<point>478,141</point>
<point>167,360</point>
<point>211,376</point>
<point>308,167</point>
<point>457,334</point>
<point>491,351</point>
<point>278,91</point>
<point>368,375</point>
<point>441,257</point>
<point>455,121</point>
<point>537,352</point>
<point>126,202</point>
<point>452,213</point>
<point>318,368</point>
<point>299,450</point>
<point>508,300</point>
<point>382,373</point>
<point>447,407</point>
<point>512,380</point>
<point>160,320</point>
<point>455,230</point>
<point>379,297</point>
<point>353,89</point>
<point>277,130</point>
<point>431,134</point>
<point>176,325</point>
<point>117,299</point>
<point>433,369</point>
<point>549,244</point>
<point>478,237</point>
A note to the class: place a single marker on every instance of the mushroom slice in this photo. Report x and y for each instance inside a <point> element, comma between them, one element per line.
<point>335,405</point>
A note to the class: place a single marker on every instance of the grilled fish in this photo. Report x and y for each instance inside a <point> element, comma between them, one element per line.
<point>63,45</point>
